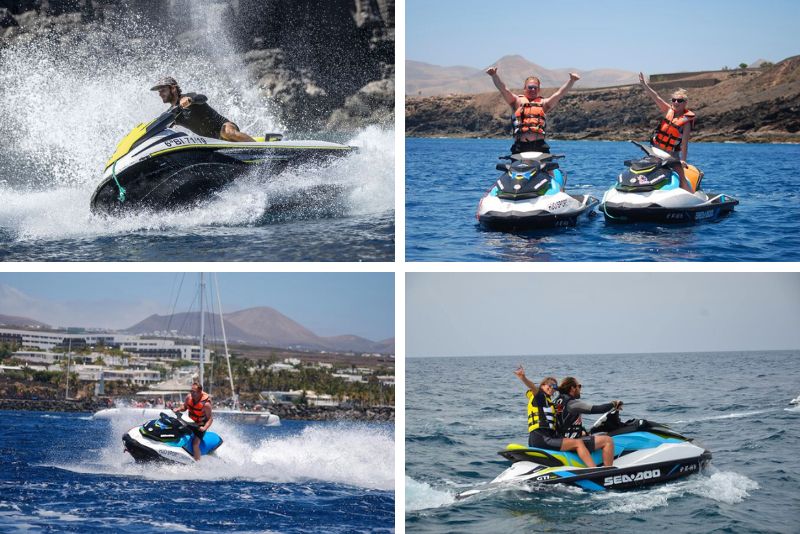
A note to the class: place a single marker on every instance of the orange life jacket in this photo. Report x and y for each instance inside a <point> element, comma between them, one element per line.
<point>529,118</point>
<point>197,410</point>
<point>668,135</point>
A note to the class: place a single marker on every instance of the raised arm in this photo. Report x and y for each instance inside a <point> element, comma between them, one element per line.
<point>552,100</point>
<point>520,372</point>
<point>509,97</point>
<point>662,106</point>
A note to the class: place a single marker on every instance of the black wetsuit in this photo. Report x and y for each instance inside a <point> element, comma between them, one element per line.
<point>201,118</point>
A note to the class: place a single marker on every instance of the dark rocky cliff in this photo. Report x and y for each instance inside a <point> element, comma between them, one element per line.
<point>756,105</point>
<point>329,61</point>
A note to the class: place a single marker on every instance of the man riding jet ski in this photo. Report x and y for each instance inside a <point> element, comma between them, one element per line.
<point>168,439</point>
<point>530,194</point>
<point>158,168</point>
<point>646,453</point>
<point>648,190</point>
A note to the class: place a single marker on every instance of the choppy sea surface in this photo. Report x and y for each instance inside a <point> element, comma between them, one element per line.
<point>446,178</point>
<point>64,472</point>
<point>461,411</point>
<point>67,100</point>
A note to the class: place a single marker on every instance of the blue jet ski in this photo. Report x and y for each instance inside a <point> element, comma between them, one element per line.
<point>167,439</point>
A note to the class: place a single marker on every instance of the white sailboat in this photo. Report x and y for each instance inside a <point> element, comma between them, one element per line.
<point>178,390</point>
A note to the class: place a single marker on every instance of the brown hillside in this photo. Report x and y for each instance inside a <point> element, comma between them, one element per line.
<point>754,105</point>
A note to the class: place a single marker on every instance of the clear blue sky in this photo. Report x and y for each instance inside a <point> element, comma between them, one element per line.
<point>327,303</point>
<point>477,314</point>
<point>622,34</point>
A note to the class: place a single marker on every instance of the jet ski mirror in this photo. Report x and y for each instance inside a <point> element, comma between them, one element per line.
<point>550,166</point>
<point>501,167</point>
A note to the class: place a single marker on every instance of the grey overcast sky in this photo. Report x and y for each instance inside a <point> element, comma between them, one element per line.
<point>620,34</point>
<point>477,314</point>
<point>327,303</point>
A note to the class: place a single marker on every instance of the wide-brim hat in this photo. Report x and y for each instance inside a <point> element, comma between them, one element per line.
<point>164,82</point>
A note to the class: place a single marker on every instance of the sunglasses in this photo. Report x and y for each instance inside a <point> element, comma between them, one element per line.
<point>580,386</point>
<point>679,100</point>
<point>532,87</point>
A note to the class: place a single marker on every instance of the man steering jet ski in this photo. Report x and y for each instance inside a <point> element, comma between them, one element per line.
<point>199,117</point>
<point>156,167</point>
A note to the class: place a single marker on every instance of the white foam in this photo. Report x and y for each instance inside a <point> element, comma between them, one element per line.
<point>722,486</point>
<point>421,496</point>
<point>734,415</point>
<point>352,454</point>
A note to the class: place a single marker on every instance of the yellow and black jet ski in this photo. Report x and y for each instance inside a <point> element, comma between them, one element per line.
<point>158,168</point>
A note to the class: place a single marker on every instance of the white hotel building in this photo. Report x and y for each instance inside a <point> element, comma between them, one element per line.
<point>161,349</point>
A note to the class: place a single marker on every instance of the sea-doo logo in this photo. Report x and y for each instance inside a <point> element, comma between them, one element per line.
<point>625,479</point>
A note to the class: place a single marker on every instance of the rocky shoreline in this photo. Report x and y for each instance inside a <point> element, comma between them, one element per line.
<point>756,106</point>
<point>327,62</point>
<point>289,412</point>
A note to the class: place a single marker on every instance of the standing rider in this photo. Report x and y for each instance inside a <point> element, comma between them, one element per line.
<point>542,423</point>
<point>197,115</point>
<point>570,423</point>
<point>672,133</point>
<point>199,405</point>
<point>529,111</point>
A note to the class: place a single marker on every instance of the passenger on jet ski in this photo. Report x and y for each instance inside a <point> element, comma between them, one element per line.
<point>199,405</point>
<point>542,420</point>
<point>672,133</point>
<point>198,116</point>
<point>530,110</point>
<point>569,422</point>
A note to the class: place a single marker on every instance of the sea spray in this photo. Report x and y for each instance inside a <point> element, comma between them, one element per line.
<point>67,101</point>
<point>354,454</point>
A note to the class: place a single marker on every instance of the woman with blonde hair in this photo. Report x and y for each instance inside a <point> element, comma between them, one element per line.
<point>673,132</point>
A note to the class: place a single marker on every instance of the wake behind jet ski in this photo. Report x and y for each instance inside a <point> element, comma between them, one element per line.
<point>529,195</point>
<point>167,439</point>
<point>645,453</point>
<point>156,167</point>
<point>649,191</point>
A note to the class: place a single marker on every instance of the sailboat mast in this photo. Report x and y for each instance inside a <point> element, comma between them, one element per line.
<point>234,397</point>
<point>202,326</point>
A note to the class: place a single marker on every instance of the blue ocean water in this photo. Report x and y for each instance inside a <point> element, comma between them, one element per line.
<point>461,411</point>
<point>68,473</point>
<point>445,179</point>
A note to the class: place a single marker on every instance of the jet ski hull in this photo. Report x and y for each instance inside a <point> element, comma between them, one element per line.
<point>631,207</point>
<point>552,211</point>
<point>172,169</point>
<point>608,478</point>
<point>166,441</point>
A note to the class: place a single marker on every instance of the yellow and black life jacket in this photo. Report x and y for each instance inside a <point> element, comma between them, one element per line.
<point>197,409</point>
<point>541,412</point>
<point>669,132</point>
<point>529,118</point>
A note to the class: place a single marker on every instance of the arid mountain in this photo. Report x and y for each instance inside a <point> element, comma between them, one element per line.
<point>261,326</point>
<point>424,79</point>
<point>12,321</point>
<point>754,105</point>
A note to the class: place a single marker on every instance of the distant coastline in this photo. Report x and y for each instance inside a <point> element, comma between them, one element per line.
<point>289,412</point>
<point>744,105</point>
